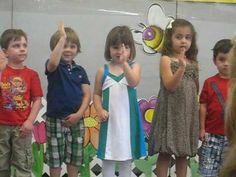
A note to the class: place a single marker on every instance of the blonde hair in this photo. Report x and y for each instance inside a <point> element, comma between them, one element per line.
<point>229,166</point>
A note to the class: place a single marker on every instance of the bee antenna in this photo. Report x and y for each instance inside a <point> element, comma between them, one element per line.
<point>142,25</point>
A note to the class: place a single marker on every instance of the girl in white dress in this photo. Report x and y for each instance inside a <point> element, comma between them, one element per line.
<point>121,136</point>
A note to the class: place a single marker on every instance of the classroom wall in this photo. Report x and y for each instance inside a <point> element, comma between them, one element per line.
<point>92,20</point>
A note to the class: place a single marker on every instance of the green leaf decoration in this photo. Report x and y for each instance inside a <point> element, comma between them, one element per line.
<point>38,154</point>
<point>89,153</point>
<point>145,165</point>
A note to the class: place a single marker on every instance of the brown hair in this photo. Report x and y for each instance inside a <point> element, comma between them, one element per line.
<point>117,36</point>
<point>9,35</point>
<point>71,36</point>
<point>221,46</point>
<point>229,166</point>
<point>167,49</point>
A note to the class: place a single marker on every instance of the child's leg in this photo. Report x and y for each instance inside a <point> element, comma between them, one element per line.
<point>72,170</point>
<point>209,155</point>
<point>162,165</point>
<point>55,172</point>
<point>181,166</point>
<point>108,168</point>
<point>125,168</point>
<point>55,145</point>
<point>21,153</point>
<point>5,150</point>
<point>74,148</point>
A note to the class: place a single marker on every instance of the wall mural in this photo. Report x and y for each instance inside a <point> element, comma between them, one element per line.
<point>91,167</point>
<point>151,37</point>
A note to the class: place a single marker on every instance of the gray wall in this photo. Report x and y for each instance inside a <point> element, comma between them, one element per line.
<point>39,19</point>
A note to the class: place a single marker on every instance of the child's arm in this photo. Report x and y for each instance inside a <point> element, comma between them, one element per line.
<point>170,80</point>
<point>57,51</point>
<point>202,119</point>
<point>97,96</point>
<point>3,60</point>
<point>132,73</point>
<point>75,117</point>
<point>27,126</point>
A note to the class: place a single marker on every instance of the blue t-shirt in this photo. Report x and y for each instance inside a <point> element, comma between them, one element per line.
<point>65,94</point>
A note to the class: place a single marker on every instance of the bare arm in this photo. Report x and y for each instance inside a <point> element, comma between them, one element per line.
<point>170,80</point>
<point>27,126</point>
<point>57,51</point>
<point>86,100</point>
<point>97,96</point>
<point>3,60</point>
<point>132,73</point>
<point>202,119</point>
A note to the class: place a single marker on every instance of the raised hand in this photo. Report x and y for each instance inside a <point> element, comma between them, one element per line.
<point>3,60</point>
<point>61,29</point>
<point>182,57</point>
<point>125,53</point>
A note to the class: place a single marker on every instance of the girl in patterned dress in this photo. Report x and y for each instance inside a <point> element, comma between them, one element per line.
<point>121,136</point>
<point>175,124</point>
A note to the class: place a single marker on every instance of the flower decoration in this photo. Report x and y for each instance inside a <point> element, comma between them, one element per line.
<point>147,109</point>
<point>39,132</point>
<point>92,126</point>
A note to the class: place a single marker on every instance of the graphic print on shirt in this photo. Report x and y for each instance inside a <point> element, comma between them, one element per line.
<point>13,93</point>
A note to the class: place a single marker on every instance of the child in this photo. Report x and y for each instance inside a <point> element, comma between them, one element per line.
<point>67,99</point>
<point>212,101</point>
<point>175,123</point>
<point>20,102</point>
<point>121,135</point>
<point>229,164</point>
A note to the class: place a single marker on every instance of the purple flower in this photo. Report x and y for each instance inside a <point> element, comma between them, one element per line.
<point>147,109</point>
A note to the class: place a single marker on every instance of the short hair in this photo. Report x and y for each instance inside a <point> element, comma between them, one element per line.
<point>222,46</point>
<point>117,36</point>
<point>71,36</point>
<point>9,35</point>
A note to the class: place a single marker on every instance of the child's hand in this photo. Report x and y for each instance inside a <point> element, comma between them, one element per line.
<point>61,29</point>
<point>70,120</point>
<point>125,54</point>
<point>103,115</point>
<point>26,128</point>
<point>3,58</point>
<point>182,57</point>
<point>202,135</point>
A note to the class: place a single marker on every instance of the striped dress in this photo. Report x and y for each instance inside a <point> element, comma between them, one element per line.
<point>121,136</point>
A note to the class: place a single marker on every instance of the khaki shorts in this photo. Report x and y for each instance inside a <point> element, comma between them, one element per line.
<point>16,148</point>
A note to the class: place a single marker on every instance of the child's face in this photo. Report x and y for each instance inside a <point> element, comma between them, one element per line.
<point>117,51</point>
<point>222,63</point>
<point>69,52</point>
<point>17,50</point>
<point>181,38</point>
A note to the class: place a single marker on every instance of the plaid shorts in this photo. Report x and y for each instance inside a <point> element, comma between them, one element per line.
<point>211,154</point>
<point>64,144</point>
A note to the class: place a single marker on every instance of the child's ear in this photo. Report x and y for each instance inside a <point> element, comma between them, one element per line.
<point>214,61</point>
